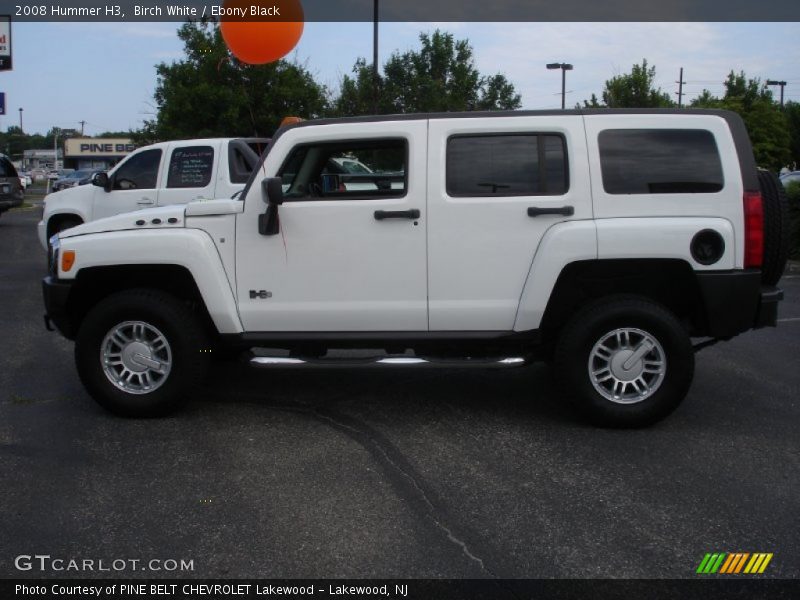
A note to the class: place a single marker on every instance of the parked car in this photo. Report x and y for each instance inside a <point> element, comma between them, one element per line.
<point>602,241</point>
<point>59,174</point>
<point>157,175</point>
<point>790,177</point>
<point>12,193</point>
<point>75,178</point>
<point>24,179</point>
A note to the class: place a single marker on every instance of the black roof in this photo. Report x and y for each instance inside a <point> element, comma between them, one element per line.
<point>726,114</point>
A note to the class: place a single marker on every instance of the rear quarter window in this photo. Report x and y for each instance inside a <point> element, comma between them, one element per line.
<point>191,167</point>
<point>660,161</point>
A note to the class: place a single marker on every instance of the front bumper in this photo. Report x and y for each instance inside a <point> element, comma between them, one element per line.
<point>735,302</point>
<point>56,296</point>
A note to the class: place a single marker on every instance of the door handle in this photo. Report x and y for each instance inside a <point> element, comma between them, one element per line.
<point>413,213</point>
<point>145,202</point>
<point>564,211</point>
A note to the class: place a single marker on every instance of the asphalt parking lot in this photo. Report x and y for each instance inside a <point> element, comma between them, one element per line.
<point>364,473</point>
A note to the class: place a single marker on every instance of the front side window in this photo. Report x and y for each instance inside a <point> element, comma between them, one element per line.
<point>190,167</point>
<point>346,170</point>
<point>506,165</point>
<point>139,172</point>
<point>660,161</point>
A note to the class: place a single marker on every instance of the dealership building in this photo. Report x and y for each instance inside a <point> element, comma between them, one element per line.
<point>80,153</point>
<point>95,153</point>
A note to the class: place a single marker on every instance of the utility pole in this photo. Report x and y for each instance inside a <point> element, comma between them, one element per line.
<point>564,68</point>
<point>375,58</point>
<point>680,83</point>
<point>20,121</point>
<point>782,85</point>
<point>56,131</point>
<point>82,124</point>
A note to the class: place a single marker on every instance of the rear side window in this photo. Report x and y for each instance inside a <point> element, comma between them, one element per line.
<point>191,167</point>
<point>243,157</point>
<point>660,161</point>
<point>507,165</point>
<point>139,172</point>
<point>240,164</point>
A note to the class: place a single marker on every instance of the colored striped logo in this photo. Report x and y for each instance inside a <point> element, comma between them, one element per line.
<point>734,563</point>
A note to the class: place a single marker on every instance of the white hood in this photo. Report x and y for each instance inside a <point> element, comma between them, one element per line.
<point>163,217</point>
<point>205,208</point>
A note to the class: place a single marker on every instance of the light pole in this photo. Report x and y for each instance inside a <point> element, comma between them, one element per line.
<point>375,58</point>
<point>782,85</point>
<point>20,120</point>
<point>564,68</point>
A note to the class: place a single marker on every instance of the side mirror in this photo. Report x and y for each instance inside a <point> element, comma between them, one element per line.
<point>272,192</point>
<point>102,180</point>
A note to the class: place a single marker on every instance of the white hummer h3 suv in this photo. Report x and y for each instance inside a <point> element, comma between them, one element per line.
<point>600,240</point>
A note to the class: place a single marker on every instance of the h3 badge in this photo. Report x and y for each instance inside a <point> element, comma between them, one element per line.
<point>260,294</point>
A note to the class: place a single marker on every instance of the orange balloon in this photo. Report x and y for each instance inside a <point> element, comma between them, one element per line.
<point>258,39</point>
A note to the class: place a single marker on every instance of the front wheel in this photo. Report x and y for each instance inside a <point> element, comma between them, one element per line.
<point>625,362</point>
<point>141,353</point>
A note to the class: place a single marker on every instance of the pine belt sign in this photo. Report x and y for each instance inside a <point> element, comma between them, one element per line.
<point>106,147</point>
<point>5,43</point>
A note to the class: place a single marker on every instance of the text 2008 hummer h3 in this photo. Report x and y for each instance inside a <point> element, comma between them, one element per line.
<point>601,240</point>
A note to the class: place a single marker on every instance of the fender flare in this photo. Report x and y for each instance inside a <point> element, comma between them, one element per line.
<point>561,245</point>
<point>192,249</point>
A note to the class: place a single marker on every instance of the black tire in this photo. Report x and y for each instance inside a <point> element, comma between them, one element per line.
<point>776,228</point>
<point>187,342</point>
<point>589,326</point>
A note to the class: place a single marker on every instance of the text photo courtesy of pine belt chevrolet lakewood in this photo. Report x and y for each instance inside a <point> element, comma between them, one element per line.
<point>602,241</point>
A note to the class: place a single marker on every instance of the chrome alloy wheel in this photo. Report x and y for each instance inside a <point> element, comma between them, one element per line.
<point>136,357</point>
<point>627,365</point>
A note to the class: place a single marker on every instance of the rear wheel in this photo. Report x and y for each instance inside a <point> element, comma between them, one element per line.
<point>625,362</point>
<point>776,227</point>
<point>141,353</point>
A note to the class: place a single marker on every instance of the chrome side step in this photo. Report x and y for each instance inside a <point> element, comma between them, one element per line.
<point>283,362</point>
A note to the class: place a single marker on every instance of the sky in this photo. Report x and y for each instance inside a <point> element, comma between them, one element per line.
<point>104,73</point>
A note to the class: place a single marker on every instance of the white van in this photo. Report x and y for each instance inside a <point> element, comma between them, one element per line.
<point>158,175</point>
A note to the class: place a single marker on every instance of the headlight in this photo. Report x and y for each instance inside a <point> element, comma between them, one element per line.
<point>52,259</point>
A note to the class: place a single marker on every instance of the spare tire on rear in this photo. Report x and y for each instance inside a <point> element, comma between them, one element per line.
<point>776,227</point>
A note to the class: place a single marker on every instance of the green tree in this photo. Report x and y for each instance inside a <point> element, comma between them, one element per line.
<point>439,77</point>
<point>632,90</point>
<point>210,93</point>
<point>792,112</point>
<point>767,125</point>
<point>114,134</point>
